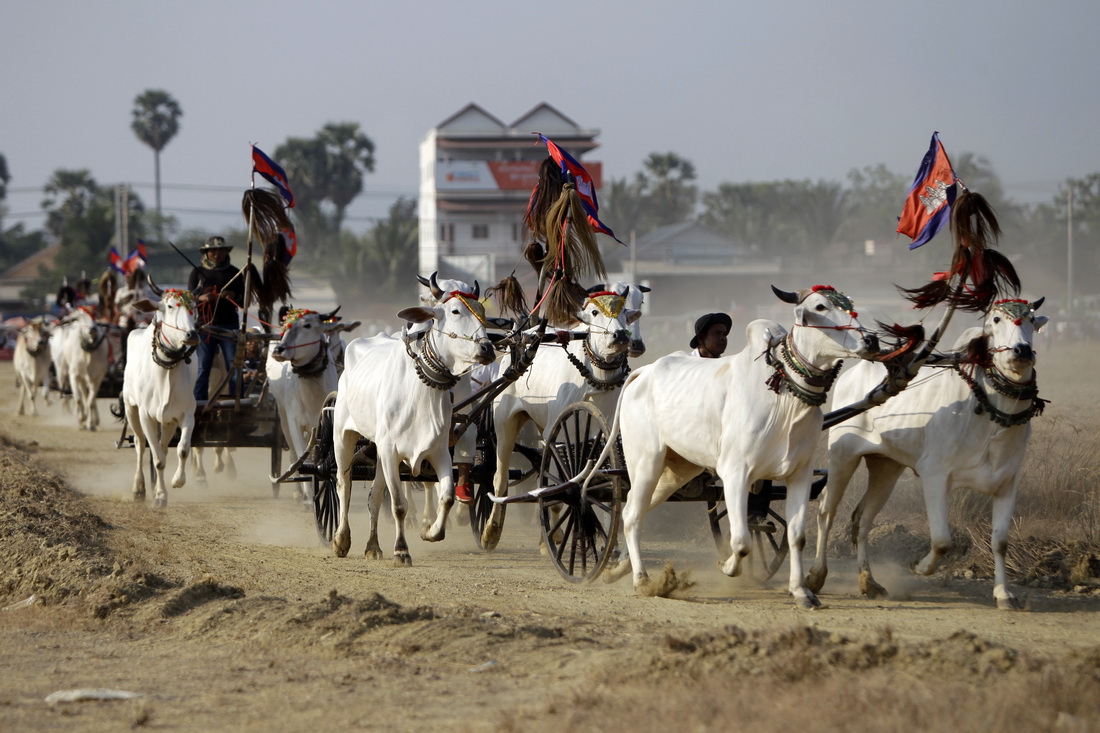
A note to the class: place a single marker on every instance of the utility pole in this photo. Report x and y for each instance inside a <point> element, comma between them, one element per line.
<point>122,218</point>
<point>1069,253</point>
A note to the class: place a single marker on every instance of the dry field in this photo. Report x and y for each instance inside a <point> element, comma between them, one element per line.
<point>224,613</point>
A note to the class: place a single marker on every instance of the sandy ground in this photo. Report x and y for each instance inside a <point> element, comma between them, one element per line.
<point>224,612</point>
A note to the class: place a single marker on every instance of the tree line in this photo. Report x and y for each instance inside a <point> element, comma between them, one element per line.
<point>328,171</point>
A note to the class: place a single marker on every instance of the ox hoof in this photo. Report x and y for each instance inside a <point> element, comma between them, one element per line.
<point>809,602</point>
<point>139,496</point>
<point>427,536</point>
<point>815,581</point>
<point>160,502</point>
<point>1010,603</point>
<point>872,590</point>
<point>373,553</point>
<point>645,587</point>
<point>490,537</point>
<point>402,560</point>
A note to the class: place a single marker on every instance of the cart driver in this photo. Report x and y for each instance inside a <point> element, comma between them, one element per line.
<point>711,335</point>
<point>218,290</point>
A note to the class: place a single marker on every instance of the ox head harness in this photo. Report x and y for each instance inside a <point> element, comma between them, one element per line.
<point>165,356</point>
<point>611,305</point>
<point>39,344</point>
<point>1017,311</point>
<point>318,363</point>
<point>429,365</point>
<point>813,384</point>
<point>90,341</point>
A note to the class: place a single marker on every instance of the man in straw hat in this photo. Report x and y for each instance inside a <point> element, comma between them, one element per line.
<point>711,334</point>
<point>219,290</point>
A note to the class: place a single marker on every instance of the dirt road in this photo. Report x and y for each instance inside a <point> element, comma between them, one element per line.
<point>225,613</point>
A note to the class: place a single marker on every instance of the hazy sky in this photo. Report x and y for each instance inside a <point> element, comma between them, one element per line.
<point>748,91</point>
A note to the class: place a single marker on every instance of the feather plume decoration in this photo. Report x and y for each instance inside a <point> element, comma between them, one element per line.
<point>985,274</point>
<point>268,212</point>
<point>570,242</point>
<point>546,192</point>
<point>509,296</point>
<point>563,299</point>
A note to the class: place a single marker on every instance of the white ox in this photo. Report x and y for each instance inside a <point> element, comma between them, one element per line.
<point>969,430</point>
<point>158,388</point>
<point>31,360</point>
<point>87,358</point>
<point>397,395</point>
<point>301,373</point>
<point>558,377</point>
<point>754,415</point>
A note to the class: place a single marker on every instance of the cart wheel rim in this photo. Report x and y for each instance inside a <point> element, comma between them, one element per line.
<point>579,527</point>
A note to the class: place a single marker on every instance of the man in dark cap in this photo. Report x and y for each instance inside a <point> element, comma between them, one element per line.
<point>219,291</point>
<point>711,333</point>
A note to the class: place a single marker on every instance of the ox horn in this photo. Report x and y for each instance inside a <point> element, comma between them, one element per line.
<point>786,297</point>
<point>1035,306</point>
<point>437,292</point>
<point>477,291</point>
<point>424,281</point>
<point>153,286</point>
<point>330,316</point>
<point>644,288</point>
<point>596,288</point>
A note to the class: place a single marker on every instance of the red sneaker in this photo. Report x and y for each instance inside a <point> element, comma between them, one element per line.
<point>464,493</point>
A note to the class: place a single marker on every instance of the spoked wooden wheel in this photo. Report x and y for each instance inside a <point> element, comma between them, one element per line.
<point>326,503</point>
<point>276,451</point>
<point>485,469</point>
<point>768,533</point>
<point>579,526</point>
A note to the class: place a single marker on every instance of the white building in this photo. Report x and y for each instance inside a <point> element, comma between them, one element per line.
<point>476,176</point>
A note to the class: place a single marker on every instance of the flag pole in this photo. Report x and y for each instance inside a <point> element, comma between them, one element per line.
<point>238,358</point>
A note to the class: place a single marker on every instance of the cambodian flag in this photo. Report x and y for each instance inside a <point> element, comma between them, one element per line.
<point>136,259</point>
<point>116,261</point>
<point>927,209</point>
<point>573,170</point>
<point>271,170</point>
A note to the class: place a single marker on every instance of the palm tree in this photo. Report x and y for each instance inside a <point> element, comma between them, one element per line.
<point>156,122</point>
<point>350,154</point>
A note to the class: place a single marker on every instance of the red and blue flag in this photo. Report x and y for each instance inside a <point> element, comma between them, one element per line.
<point>116,261</point>
<point>927,209</point>
<point>136,259</point>
<point>274,173</point>
<point>573,171</point>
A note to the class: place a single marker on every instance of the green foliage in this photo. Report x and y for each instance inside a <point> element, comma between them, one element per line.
<point>155,118</point>
<point>5,177</point>
<point>380,266</point>
<point>327,173</point>
<point>659,195</point>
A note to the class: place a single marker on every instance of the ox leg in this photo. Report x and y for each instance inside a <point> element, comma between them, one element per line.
<point>344,448</point>
<point>91,390</point>
<point>140,445</point>
<point>200,469</point>
<point>735,491</point>
<point>183,449</point>
<point>377,495</point>
<point>1004,503</point>
<point>159,446</point>
<point>841,468</point>
<point>22,383</point>
<point>398,507</point>
<point>935,502</point>
<point>882,474</point>
<point>798,501</point>
<point>441,462</point>
<point>507,430</point>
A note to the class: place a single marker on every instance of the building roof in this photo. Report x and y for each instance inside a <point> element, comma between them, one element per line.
<point>473,127</point>
<point>27,270</point>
